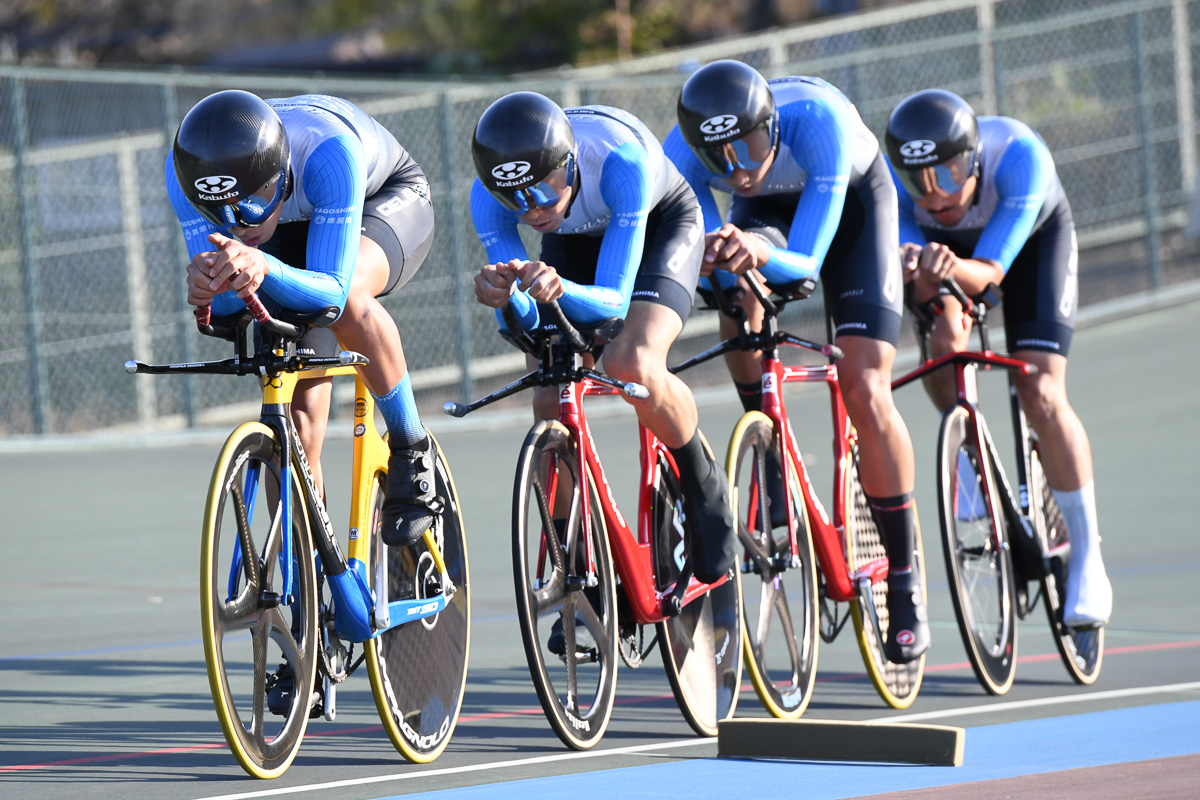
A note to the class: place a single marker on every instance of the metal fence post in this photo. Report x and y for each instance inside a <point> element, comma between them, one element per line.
<point>135,273</point>
<point>988,76</point>
<point>38,379</point>
<point>187,337</point>
<point>1185,107</point>
<point>1150,184</point>
<point>467,384</point>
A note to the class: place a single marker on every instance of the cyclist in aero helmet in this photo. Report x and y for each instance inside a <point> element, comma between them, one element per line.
<point>311,201</point>
<point>812,196</point>
<point>980,201</point>
<point>621,237</point>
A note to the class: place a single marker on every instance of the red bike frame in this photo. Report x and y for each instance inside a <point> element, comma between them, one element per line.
<point>967,397</point>
<point>632,552</point>
<point>828,535</point>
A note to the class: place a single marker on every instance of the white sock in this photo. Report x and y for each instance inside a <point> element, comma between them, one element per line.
<point>1089,593</point>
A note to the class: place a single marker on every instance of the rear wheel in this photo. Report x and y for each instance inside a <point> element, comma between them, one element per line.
<point>780,623</point>
<point>577,688</point>
<point>701,646</point>
<point>978,562</point>
<point>1081,649</point>
<point>252,625</point>
<point>897,684</point>
<point>419,670</point>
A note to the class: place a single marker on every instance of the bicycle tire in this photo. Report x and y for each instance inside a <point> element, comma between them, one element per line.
<point>242,515</point>
<point>418,670</point>
<point>897,684</point>
<point>577,693</point>
<point>978,561</point>
<point>1081,649</point>
<point>779,647</point>
<point>701,645</point>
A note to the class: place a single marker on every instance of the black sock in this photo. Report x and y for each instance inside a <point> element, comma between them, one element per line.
<point>897,518</point>
<point>750,394</point>
<point>693,463</point>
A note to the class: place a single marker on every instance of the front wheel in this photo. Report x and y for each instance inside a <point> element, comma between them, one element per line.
<point>418,670</point>
<point>780,622</point>
<point>978,562</point>
<point>701,646</point>
<point>897,684</point>
<point>260,638</point>
<point>567,612</point>
<point>1081,649</point>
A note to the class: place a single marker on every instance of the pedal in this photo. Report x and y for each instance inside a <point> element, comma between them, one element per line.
<point>868,604</point>
<point>329,704</point>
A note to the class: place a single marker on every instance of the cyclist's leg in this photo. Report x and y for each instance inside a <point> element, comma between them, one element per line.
<point>1041,291</point>
<point>310,403</point>
<point>887,471</point>
<point>1066,457</point>
<point>310,415</point>
<point>951,333</point>
<point>639,354</point>
<point>863,293</point>
<point>398,226</point>
<point>662,296</point>
<point>769,217</point>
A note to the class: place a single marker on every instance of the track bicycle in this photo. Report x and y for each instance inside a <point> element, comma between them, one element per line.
<point>824,560</point>
<point>266,598</point>
<point>997,544</point>
<point>569,534</point>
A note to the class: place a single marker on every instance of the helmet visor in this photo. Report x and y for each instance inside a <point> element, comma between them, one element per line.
<point>748,152</point>
<point>249,212</point>
<point>946,178</point>
<point>544,194</point>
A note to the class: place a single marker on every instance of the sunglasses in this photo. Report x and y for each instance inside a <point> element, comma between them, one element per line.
<point>542,194</point>
<point>948,177</point>
<point>747,153</point>
<point>252,210</point>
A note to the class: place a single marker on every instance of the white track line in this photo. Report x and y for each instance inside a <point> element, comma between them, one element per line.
<point>646,748</point>
<point>990,708</point>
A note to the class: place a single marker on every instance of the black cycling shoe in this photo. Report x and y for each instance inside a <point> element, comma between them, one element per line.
<point>411,505</point>
<point>585,643</point>
<point>712,535</point>
<point>908,618</point>
<point>280,688</point>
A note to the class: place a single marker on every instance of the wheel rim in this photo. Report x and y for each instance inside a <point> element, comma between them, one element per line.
<point>701,646</point>
<point>897,684</point>
<point>243,517</point>
<point>979,570</point>
<point>418,670</point>
<point>779,622</point>
<point>576,693</point>
<point>1081,649</point>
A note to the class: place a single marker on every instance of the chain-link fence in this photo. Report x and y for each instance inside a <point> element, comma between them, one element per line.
<point>91,257</point>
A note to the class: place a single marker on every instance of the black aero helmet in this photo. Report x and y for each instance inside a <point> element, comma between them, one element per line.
<point>727,116</point>
<point>933,140</point>
<point>228,147</point>
<point>524,151</point>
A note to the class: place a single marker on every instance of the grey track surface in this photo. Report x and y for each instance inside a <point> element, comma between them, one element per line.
<point>103,690</point>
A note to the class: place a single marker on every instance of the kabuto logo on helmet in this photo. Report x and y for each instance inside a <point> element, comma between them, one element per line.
<point>216,187</point>
<point>918,151</point>
<point>718,126</point>
<point>511,170</point>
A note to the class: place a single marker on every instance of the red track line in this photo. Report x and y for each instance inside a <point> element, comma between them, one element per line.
<point>528,711</point>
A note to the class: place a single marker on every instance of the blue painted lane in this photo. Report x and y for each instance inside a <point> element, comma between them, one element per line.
<point>994,751</point>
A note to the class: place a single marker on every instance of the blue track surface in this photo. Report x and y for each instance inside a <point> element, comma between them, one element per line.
<point>993,751</point>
